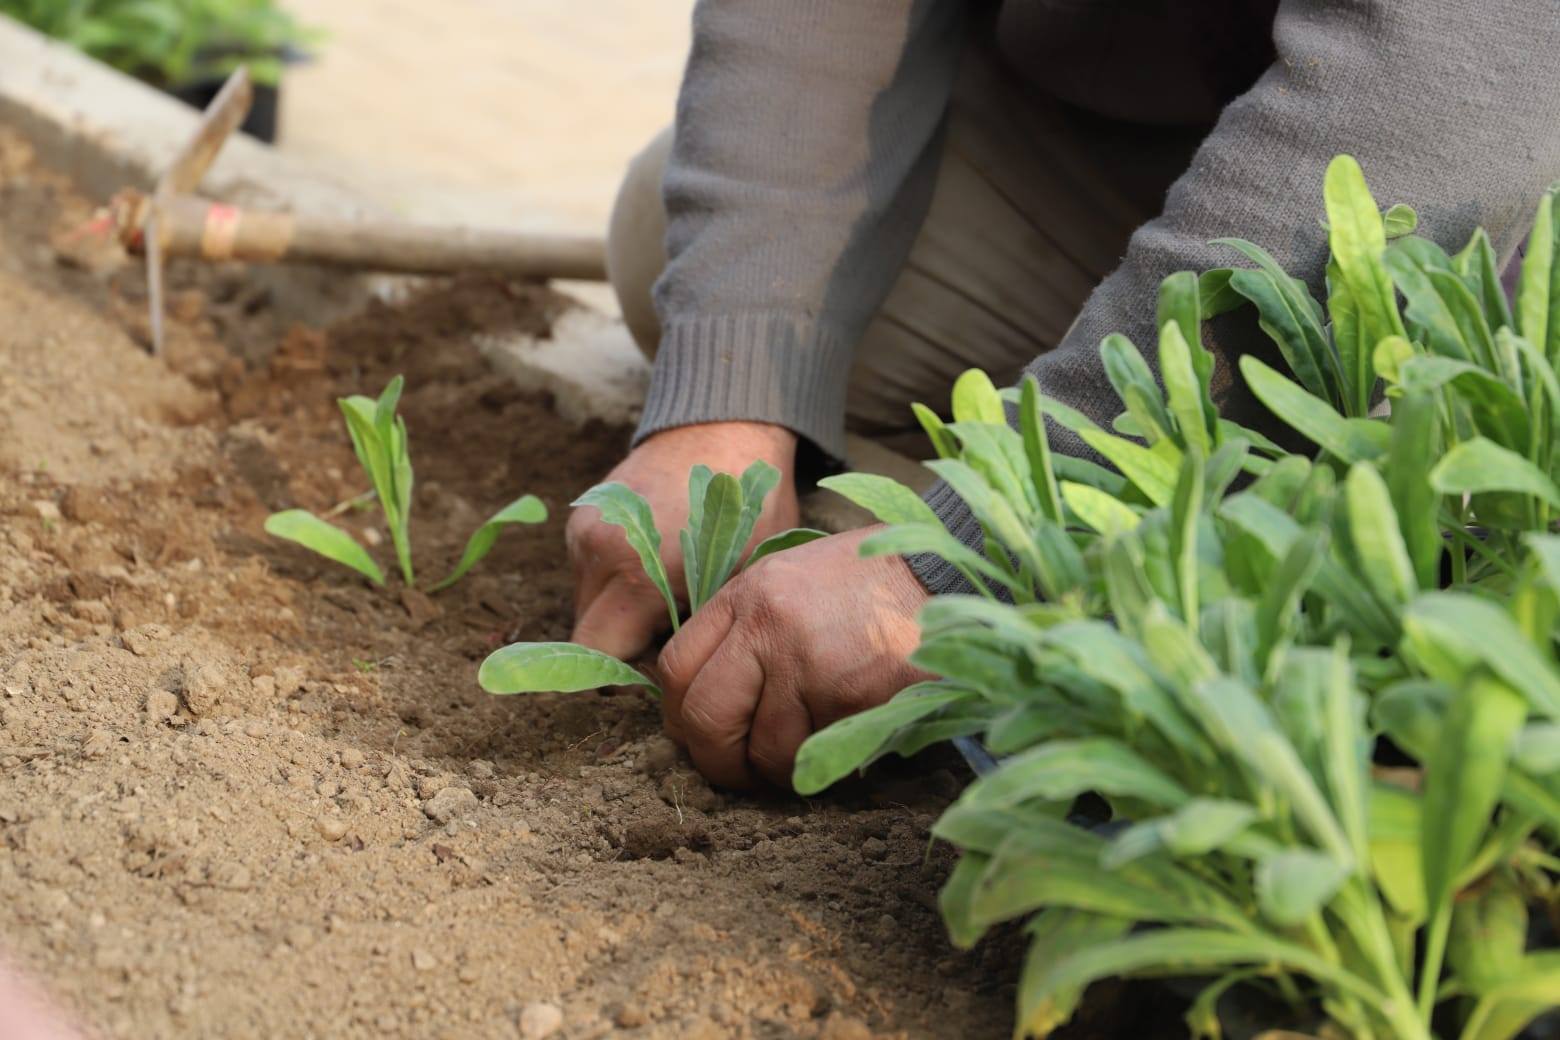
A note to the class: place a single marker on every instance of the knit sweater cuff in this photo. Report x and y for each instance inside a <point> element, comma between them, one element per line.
<point>934,572</point>
<point>780,368</point>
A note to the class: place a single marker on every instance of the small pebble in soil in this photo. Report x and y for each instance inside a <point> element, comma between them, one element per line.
<point>331,828</point>
<point>840,1026</point>
<point>422,960</point>
<point>539,1020</point>
<point>160,704</point>
<point>629,1016</point>
<point>351,758</point>
<point>448,803</point>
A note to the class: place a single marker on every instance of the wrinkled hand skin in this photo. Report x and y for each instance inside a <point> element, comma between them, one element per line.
<point>804,638</point>
<point>616,608</point>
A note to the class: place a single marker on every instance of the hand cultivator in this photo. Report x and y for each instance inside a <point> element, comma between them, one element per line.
<point>172,221</point>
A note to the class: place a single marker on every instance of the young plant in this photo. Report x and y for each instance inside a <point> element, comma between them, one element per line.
<point>380,443</point>
<point>722,512</point>
<point>1223,669</point>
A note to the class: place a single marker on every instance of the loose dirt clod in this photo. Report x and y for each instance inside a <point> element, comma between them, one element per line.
<point>449,803</point>
<point>540,1020</point>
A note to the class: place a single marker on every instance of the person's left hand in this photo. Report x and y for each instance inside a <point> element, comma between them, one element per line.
<point>804,638</point>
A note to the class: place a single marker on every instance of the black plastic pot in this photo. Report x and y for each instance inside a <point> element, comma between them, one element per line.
<point>261,122</point>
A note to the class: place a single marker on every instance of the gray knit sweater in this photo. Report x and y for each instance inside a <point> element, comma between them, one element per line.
<point>805,153</point>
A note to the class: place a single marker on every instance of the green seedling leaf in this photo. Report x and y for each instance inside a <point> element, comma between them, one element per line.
<point>1134,383</point>
<point>1296,883</point>
<point>784,540</point>
<point>1200,826</point>
<point>1506,1009</point>
<point>1055,935</point>
<point>835,752</point>
<point>1394,849</point>
<point>1377,540</point>
<point>1037,448</point>
<point>1538,749</point>
<point>954,899</point>
<point>975,399</point>
<point>626,509</point>
<point>1449,634</point>
<point>1065,769</point>
<point>527,509</point>
<point>709,543</point>
<point>1152,474</point>
<point>942,441</point>
<point>1480,466</point>
<point>1180,304</point>
<point>1399,220</point>
<point>1415,442</point>
<point>555,668</point>
<point>1358,239</point>
<point>884,497</point>
<point>1105,513</point>
<point>1182,384</point>
<point>1538,286</point>
<point>1463,779</point>
<point>1352,440</point>
<point>1489,935</point>
<point>1291,318</point>
<point>1215,294</point>
<point>330,541</point>
<point>1478,266</point>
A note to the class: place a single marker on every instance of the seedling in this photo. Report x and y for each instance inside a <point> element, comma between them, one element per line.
<point>722,512</point>
<point>1219,667</point>
<point>380,442</point>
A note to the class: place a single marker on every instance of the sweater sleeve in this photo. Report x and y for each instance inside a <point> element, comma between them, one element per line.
<point>802,165</point>
<point>1450,107</point>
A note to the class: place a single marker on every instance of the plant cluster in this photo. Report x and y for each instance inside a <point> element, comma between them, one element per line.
<point>171,42</point>
<point>1319,695</point>
<point>722,512</point>
<point>380,442</point>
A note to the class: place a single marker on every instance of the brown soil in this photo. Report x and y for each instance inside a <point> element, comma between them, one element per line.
<point>242,793</point>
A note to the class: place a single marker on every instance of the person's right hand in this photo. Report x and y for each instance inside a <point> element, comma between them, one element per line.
<point>616,608</point>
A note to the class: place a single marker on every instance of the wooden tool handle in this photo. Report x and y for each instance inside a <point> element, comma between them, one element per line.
<point>195,227</point>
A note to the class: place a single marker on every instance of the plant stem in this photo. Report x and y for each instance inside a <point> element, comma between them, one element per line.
<point>1435,952</point>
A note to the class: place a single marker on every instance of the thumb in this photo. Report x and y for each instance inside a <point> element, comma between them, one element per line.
<point>622,620</point>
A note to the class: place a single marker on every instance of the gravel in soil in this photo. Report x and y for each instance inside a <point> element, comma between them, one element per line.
<point>242,793</point>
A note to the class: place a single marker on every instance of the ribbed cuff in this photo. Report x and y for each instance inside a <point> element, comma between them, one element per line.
<point>780,368</point>
<point>936,573</point>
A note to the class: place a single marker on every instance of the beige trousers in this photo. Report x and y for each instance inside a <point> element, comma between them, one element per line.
<point>1033,206</point>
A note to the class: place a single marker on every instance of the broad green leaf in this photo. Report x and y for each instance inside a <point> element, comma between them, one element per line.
<point>884,497</point>
<point>1489,934</point>
<point>1506,1009</point>
<point>984,830</point>
<point>1352,440</point>
<point>1134,383</point>
<point>1358,239</point>
<point>975,399</point>
<point>942,441</point>
<point>1184,389</point>
<point>1463,778</point>
<point>954,899</point>
<point>1105,513</point>
<point>1373,531</point>
<point>1215,295</point>
<point>1416,440</point>
<point>555,668</point>
<point>527,509</point>
<point>1538,286</point>
<point>783,541</point>
<point>709,543</point>
<point>912,539</point>
<point>1480,466</point>
<point>1394,849</point>
<point>1053,936</point>
<point>624,508</point>
<point>1200,826</point>
<point>1151,473</point>
<point>1426,307</point>
<point>1180,304</point>
<point>1477,264</point>
<point>996,515</point>
<point>330,541</point>
<point>837,750</point>
<point>1346,749</point>
<point>1196,951</point>
<point>1291,318</point>
<point>1451,633</point>
<point>1296,883</point>
<point>1065,769</point>
<point>1499,412</point>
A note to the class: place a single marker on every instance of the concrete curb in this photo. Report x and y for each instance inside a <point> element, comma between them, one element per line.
<point>108,130</point>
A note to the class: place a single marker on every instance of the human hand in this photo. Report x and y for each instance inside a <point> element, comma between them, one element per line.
<point>804,638</point>
<point>616,608</point>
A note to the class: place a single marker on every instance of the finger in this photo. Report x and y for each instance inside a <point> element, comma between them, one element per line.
<point>686,653</point>
<point>717,713</point>
<point>621,620</point>
<point>780,725</point>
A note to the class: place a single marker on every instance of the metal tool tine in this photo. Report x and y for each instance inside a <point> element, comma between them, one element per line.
<point>152,238</point>
<point>226,111</point>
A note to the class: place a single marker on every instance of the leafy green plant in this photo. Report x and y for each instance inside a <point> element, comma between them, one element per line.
<point>171,42</point>
<point>722,512</point>
<point>380,443</point>
<point>1225,669</point>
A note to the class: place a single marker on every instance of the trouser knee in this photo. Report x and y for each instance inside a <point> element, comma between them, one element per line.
<point>636,240</point>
